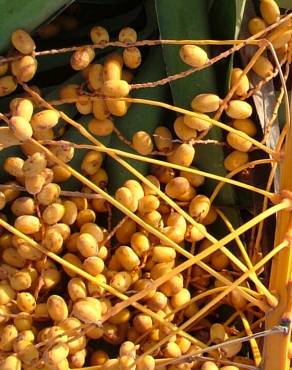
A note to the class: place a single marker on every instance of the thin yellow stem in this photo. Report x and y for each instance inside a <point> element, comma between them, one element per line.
<point>263,82</point>
<point>231,92</point>
<point>131,214</point>
<point>239,169</point>
<point>253,343</point>
<point>259,285</point>
<point>221,295</point>
<point>253,326</point>
<point>239,264</point>
<point>137,157</point>
<point>138,220</point>
<point>196,298</point>
<point>125,164</point>
<point>173,108</point>
<point>272,174</point>
<point>277,105</point>
<point>200,256</point>
<point>93,279</point>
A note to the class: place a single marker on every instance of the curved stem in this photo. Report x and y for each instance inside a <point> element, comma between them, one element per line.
<point>200,256</point>
<point>137,157</point>
<point>93,279</point>
<point>259,285</point>
<point>245,166</point>
<point>221,295</point>
<point>253,343</point>
<point>272,174</point>
<point>173,108</point>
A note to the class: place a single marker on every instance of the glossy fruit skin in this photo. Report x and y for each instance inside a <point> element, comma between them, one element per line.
<point>237,142</point>
<point>238,109</point>
<point>193,55</point>
<point>270,11</point>
<point>206,103</point>
<point>132,57</point>
<point>235,159</point>
<point>256,25</point>
<point>263,67</point>
<point>22,41</point>
<point>21,128</point>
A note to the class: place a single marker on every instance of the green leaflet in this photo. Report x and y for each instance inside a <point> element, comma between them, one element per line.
<point>139,117</point>
<point>189,20</point>
<point>233,11</point>
<point>27,14</point>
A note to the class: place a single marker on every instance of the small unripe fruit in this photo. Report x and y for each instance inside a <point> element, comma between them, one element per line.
<point>95,76</point>
<point>171,350</point>
<point>235,159</point>
<point>183,132</point>
<point>200,123</point>
<point>26,302</point>
<point>125,197</point>
<point>239,109</point>
<point>112,69</point>
<point>22,41</point>
<point>245,125</point>
<point>99,35</point>
<point>57,308</point>
<point>127,258</point>
<point>87,245</point>
<point>20,127</point>
<point>180,298</point>
<point>263,67</point>
<point>27,224</point>
<point>193,55</point>
<point>88,310</point>
<point>182,155</point>
<point>206,103</point>
<point>21,107</point>
<point>121,281</point>
<point>21,280</point>
<point>243,86</point>
<point>132,57</point>
<point>116,88</point>
<point>44,119</point>
<point>91,162</point>
<point>128,34</point>
<point>24,69</point>
<point>142,142</point>
<point>256,25</point>
<point>81,58</point>
<point>163,139</point>
<point>237,142</point>
<point>270,11</point>
<point>199,207</point>
<point>101,127</point>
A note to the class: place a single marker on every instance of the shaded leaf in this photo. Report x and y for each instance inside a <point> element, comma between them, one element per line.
<point>25,14</point>
<point>140,117</point>
<point>189,20</point>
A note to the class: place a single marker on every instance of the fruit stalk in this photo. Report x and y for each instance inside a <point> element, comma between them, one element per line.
<point>276,347</point>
